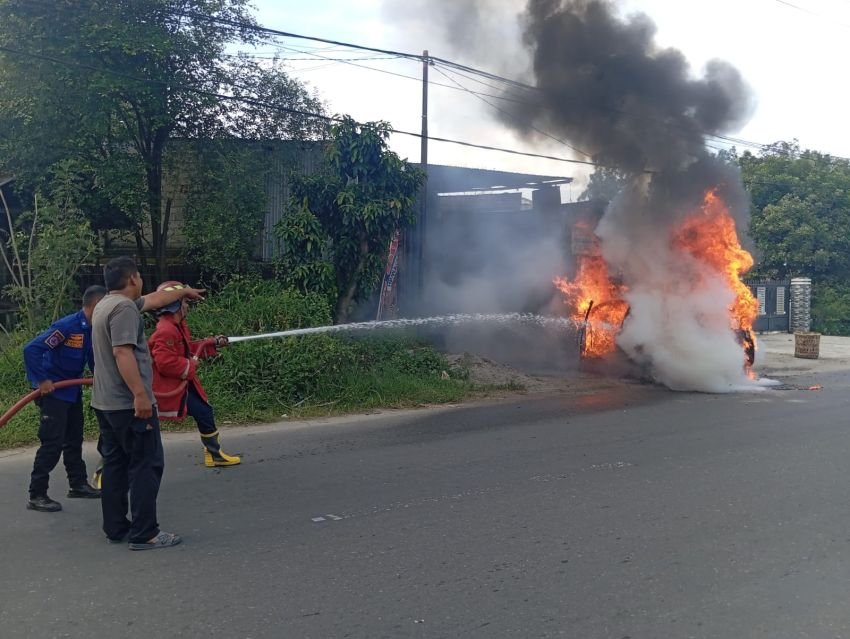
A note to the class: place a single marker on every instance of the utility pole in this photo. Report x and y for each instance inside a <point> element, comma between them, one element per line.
<point>423,161</point>
<point>423,158</point>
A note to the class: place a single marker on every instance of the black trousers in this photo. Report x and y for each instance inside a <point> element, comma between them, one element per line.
<point>201,412</point>
<point>133,462</point>
<point>61,434</point>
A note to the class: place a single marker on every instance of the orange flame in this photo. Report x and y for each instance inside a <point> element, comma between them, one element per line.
<point>594,299</point>
<point>708,235</point>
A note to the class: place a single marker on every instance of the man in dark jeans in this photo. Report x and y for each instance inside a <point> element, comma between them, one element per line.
<point>61,353</point>
<point>123,400</point>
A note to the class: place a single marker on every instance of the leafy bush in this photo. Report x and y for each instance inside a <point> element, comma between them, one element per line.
<point>247,305</point>
<point>310,373</point>
<point>831,308</point>
<point>23,429</point>
<point>45,250</point>
<point>265,379</point>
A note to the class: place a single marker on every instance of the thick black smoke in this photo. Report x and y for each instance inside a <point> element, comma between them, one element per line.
<point>476,31</point>
<point>601,83</point>
<point>606,86</point>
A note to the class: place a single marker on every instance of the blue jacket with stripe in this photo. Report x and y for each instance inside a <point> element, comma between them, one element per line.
<point>61,352</point>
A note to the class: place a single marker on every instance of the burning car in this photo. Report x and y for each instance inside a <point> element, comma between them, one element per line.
<point>596,297</point>
<point>596,332</point>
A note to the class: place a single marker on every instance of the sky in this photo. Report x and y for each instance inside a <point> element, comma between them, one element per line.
<point>792,54</point>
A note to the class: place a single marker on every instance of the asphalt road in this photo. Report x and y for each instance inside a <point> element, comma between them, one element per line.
<point>627,513</point>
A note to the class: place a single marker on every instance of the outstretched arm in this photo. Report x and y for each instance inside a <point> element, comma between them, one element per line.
<point>158,299</point>
<point>208,347</point>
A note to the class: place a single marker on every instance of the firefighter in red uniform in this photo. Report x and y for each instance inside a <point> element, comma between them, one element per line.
<point>176,385</point>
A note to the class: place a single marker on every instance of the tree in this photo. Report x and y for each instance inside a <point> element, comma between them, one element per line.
<point>339,222</point>
<point>604,184</point>
<point>109,83</point>
<point>271,105</point>
<point>800,211</point>
<point>801,224</point>
<point>224,206</point>
<point>42,253</point>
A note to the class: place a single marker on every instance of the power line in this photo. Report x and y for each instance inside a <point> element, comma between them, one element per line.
<point>755,145</point>
<point>813,13</point>
<point>260,103</point>
<point>512,115</point>
<point>411,77</point>
<point>274,56</point>
<point>323,65</point>
<point>460,87</point>
<point>400,54</point>
<point>412,56</point>
<point>456,67</point>
<point>253,27</point>
<point>798,8</point>
<point>482,96</point>
<point>327,118</point>
<point>474,79</point>
<point>288,34</point>
<point>361,66</point>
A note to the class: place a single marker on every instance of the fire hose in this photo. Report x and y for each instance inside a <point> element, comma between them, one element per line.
<point>26,399</point>
<point>85,381</point>
<point>5,417</point>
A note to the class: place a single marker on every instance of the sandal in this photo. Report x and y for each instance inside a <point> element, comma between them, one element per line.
<point>162,540</point>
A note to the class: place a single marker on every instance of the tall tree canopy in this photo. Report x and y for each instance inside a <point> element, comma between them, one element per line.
<point>801,224</point>
<point>336,232</point>
<point>604,184</point>
<point>108,83</point>
<point>800,211</point>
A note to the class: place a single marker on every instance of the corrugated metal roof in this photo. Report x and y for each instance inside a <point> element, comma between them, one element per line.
<point>458,179</point>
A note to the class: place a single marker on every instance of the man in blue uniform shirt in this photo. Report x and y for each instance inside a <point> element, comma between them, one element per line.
<point>62,352</point>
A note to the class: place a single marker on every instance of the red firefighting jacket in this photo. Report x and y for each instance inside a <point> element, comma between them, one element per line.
<point>174,365</point>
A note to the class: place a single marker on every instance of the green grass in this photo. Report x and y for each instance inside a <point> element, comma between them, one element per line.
<point>263,380</point>
<point>341,376</point>
<point>351,392</point>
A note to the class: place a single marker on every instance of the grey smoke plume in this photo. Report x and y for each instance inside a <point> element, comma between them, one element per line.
<point>605,85</point>
<point>602,83</point>
<point>471,29</point>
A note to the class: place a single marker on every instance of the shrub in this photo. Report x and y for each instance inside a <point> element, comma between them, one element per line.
<point>264,379</point>
<point>831,308</point>
<point>269,377</point>
<point>248,305</point>
<point>43,252</point>
<point>23,429</point>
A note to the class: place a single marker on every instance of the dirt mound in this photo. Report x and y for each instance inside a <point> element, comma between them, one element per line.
<point>486,372</point>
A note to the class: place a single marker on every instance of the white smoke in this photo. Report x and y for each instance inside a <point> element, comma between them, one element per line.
<point>678,326</point>
<point>604,84</point>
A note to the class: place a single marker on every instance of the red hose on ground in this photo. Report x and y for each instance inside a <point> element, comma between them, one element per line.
<point>26,399</point>
<point>87,381</point>
<point>34,395</point>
